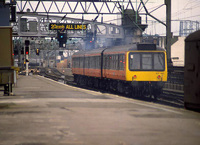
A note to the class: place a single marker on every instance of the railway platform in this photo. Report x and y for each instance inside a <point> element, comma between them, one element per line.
<point>46,112</point>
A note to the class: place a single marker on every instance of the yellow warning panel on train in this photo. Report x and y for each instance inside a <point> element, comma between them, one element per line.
<point>64,26</point>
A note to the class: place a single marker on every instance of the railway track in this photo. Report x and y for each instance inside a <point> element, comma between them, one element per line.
<point>169,97</point>
<point>172,98</point>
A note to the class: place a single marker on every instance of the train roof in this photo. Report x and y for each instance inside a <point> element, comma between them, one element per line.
<point>132,47</point>
<point>193,36</point>
<point>121,48</point>
<point>93,51</point>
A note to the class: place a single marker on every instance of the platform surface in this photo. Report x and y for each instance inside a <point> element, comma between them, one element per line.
<point>45,112</point>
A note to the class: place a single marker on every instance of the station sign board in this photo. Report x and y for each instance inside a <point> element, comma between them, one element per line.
<point>67,26</point>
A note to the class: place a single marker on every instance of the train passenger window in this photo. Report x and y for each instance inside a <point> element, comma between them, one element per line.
<point>75,62</point>
<point>78,62</point>
<point>99,62</point>
<point>92,62</point>
<point>135,61</point>
<point>112,62</point>
<point>116,62</point>
<point>81,62</point>
<point>109,62</point>
<point>104,62</point>
<point>95,62</point>
<point>147,61</point>
<point>86,62</point>
<point>159,61</point>
<point>121,62</point>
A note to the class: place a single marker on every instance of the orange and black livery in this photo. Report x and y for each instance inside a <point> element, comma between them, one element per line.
<point>137,69</point>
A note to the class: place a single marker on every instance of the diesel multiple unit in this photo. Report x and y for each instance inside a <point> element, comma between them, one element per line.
<point>137,69</point>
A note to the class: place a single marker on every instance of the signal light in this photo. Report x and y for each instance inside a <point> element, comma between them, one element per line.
<point>62,39</point>
<point>90,41</point>
<point>37,51</point>
<point>62,36</point>
<point>27,50</point>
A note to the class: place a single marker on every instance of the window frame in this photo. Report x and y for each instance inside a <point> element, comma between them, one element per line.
<point>153,61</point>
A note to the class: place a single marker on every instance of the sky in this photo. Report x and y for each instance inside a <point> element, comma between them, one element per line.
<point>181,10</point>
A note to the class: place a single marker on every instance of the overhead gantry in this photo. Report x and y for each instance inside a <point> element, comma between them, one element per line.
<point>44,9</point>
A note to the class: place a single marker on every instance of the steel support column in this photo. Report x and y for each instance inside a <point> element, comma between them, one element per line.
<point>168,30</point>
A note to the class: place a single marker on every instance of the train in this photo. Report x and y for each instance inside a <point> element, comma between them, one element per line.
<point>138,69</point>
<point>192,72</point>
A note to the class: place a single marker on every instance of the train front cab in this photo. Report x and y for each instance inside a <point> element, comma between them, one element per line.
<point>147,70</point>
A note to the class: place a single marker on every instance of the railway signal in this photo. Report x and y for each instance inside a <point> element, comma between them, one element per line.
<point>62,39</point>
<point>27,43</point>
<point>27,50</point>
